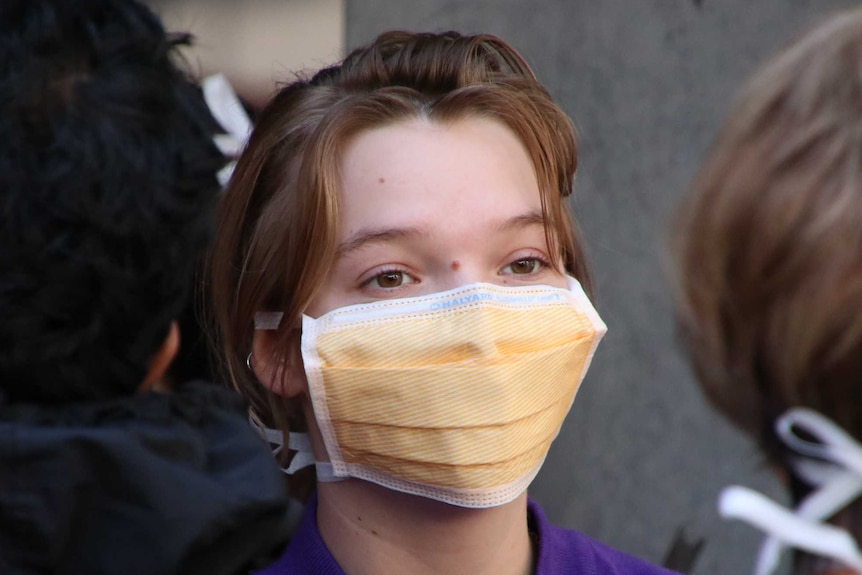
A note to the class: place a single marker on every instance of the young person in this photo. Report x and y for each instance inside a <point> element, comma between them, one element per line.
<point>107,196</point>
<point>397,283</point>
<point>769,277</point>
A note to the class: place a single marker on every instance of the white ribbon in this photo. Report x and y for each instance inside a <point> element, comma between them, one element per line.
<point>228,111</point>
<point>837,472</point>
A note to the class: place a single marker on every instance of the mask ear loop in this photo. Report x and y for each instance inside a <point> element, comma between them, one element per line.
<point>267,320</point>
<point>802,528</point>
<point>297,442</point>
<point>303,456</point>
<point>272,436</point>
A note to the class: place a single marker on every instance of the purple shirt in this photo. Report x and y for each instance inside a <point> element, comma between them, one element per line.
<point>560,551</point>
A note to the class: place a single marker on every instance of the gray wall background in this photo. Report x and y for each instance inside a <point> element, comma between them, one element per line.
<point>647,83</point>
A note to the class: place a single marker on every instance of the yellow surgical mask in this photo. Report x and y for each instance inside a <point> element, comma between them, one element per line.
<point>455,396</point>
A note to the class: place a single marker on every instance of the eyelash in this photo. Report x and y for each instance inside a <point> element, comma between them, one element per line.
<point>382,272</point>
<point>543,262</point>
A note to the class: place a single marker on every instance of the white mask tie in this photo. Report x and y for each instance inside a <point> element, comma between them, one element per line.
<point>301,444</point>
<point>834,465</point>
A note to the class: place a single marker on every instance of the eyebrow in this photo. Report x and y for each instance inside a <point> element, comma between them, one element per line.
<point>366,236</point>
<point>527,220</point>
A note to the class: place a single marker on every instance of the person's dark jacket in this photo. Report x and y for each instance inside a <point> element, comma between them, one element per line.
<point>152,484</point>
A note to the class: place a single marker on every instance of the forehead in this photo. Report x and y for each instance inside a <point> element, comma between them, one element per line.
<point>423,172</point>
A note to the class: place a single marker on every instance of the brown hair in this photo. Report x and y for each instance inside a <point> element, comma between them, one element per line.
<point>768,247</point>
<point>276,238</point>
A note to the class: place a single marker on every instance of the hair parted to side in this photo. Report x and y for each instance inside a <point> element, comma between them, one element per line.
<point>278,218</point>
<point>768,247</point>
<point>107,195</point>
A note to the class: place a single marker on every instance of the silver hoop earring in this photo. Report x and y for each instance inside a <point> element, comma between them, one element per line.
<point>248,362</point>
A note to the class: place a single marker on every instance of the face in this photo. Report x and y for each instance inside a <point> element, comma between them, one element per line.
<point>427,207</point>
<point>424,208</point>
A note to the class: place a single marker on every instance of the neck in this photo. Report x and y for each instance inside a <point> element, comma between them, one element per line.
<point>373,530</point>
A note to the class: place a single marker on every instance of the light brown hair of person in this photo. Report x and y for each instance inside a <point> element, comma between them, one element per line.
<point>278,220</point>
<point>768,246</point>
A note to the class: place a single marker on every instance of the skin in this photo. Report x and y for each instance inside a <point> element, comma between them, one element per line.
<point>427,208</point>
<point>424,208</point>
<point>160,361</point>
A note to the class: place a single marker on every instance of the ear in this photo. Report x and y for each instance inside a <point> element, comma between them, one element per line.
<point>279,370</point>
<point>160,361</point>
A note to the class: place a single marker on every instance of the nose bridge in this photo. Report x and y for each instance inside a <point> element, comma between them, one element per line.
<point>464,247</point>
<point>463,271</point>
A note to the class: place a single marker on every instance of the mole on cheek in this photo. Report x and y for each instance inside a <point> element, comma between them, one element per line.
<point>381,180</point>
<point>456,265</point>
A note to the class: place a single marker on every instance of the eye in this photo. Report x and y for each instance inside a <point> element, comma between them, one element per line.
<point>524,266</point>
<point>391,279</point>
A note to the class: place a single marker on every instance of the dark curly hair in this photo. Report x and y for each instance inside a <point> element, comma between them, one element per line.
<point>107,192</point>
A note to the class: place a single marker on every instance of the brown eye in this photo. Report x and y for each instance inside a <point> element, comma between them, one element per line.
<point>524,266</point>
<point>389,279</point>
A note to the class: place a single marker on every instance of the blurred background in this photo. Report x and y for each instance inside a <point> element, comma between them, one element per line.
<point>641,459</point>
<point>258,43</point>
